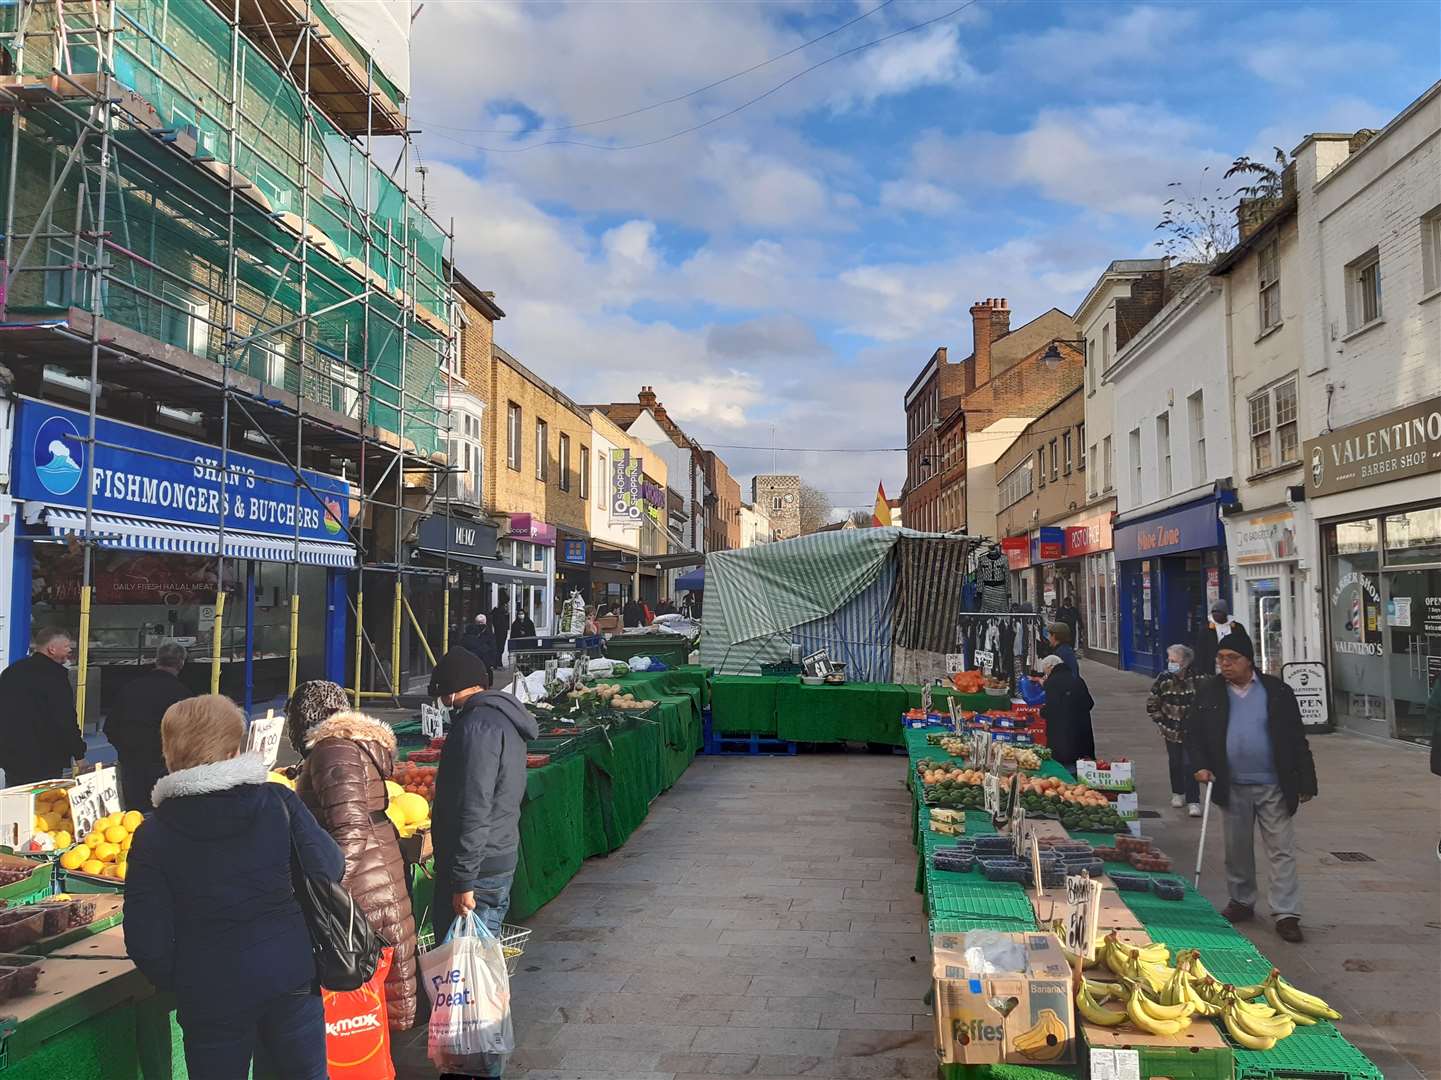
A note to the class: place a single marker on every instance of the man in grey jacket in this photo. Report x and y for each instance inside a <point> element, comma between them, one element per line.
<point>475,820</point>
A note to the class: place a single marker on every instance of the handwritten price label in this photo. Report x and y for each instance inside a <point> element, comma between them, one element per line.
<point>263,737</point>
<point>94,795</point>
<point>432,720</point>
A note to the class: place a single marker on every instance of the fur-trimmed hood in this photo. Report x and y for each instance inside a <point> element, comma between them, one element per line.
<point>208,779</point>
<point>352,725</point>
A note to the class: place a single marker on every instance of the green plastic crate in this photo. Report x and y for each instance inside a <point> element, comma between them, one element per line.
<point>1180,1062</point>
<point>1313,1053</point>
<point>26,890</point>
<point>72,882</point>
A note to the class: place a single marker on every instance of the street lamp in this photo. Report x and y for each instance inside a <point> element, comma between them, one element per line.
<point>1052,359</point>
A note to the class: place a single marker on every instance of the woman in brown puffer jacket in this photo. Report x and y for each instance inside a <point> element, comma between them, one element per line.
<point>348,758</point>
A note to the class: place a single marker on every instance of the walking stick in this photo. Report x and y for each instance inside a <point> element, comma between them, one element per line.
<point>1205,820</point>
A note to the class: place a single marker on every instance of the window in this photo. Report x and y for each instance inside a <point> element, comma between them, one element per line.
<point>1066,453</point>
<point>455,358</point>
<point>1431,250</point>
<point>1041,466</point>
<point>1108,463</point>
<point>1273,427</point>
<point>584,472</point>
<point>776,503</point>
<point>512,435</point>
<point>1081,447</point>
<point>1017,484</point>
<point>1105,346</point>
<point>344,388</point>
<point>268,363</point>
<point>1196,414</point>
<point>564,461</point>
<point>1363,290</point>
<point>1268,272</point>
<point>1135,466</point>
<point>1055,462</point>
<point>1090,367</point>
<point>542,450</point>
<point>1091,479</point>
<point>1163,450</point>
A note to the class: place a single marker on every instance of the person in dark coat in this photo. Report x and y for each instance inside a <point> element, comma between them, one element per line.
<point>133,724</point>
<point>1061,645</point>
<point>500,622</point>
<point>1247,739</point>
<point>522,626</point>
<point>1067,613</point>
<point>348,759</point>
<point>1433,716</point>
<point>211,914</point>
<point>1221,625</point>
<point>39,734</point>
<point>475,820</point>
<point>1170,704</point>
<point>1067,712</point>
<point>633,614</point>
<point>666,607</point>
<point>480,639</point>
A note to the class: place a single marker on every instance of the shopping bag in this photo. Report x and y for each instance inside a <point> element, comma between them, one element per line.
<point>357,1029</point>
<point>469,989</point>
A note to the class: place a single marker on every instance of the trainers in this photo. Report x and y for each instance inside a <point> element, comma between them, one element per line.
<point>1289,929</point>
<point>1235,912</point>
<point>1193,809</point>
<point>1178,801</point>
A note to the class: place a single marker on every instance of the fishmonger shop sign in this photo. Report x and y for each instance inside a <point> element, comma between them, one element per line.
<point>1396,446</point>
<point>136,473</point>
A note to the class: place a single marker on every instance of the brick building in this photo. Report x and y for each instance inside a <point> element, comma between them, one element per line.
<point>723,506</point>
<point>778,496</point>
<point>961,416</point>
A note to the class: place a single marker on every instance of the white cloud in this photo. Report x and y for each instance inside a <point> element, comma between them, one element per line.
<point>929,58</point>
<point>919,196</point>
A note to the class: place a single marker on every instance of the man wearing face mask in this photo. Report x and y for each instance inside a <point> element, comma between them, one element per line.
<point>39,735</point>
<point>1220,626</point>
<point>478,789</point>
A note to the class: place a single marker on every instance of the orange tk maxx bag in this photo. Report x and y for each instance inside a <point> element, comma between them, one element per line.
<point>357,1029</point>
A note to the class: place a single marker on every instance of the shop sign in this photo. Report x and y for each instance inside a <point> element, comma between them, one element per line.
<point>1018,551</point>
<point>125,577</point>
<point>529,527</point>
<point>1049,543</point>
<point>1187,529</point>
<point>1263,538</point>
<point>457,536</point>
<point>1307,680</point>
<point>574,551</point>
<point>1360,617</point>
<point>1396,446</point>
<point>137,472</point>
<point>1213,586</point>
<point>1431,616</point>
<point>1088,537</point>
<point>627,502</point>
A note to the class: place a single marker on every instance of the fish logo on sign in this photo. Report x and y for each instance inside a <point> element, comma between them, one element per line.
<point>59,456</point>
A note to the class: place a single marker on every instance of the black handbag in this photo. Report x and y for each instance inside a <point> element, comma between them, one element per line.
<point>345,947</point>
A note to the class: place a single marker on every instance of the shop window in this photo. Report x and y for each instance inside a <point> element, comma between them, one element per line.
<point>1363,290</point>
<point>1269,283</point>
<point>1414,537</point>
<point>1274,439</point>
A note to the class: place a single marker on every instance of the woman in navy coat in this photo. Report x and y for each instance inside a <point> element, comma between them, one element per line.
<point>210,911</point>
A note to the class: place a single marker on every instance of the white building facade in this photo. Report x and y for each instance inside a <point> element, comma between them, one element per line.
<point>1369,223</point>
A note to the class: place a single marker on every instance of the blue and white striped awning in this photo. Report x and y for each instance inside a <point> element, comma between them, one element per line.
<point>143,534</point>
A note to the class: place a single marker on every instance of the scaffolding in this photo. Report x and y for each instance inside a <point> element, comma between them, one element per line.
<point>194,215</point>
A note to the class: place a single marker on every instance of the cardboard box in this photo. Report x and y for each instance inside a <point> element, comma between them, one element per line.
<point>18,810</point>
<point>1198,1053</point>
<point>1117,776</point>
<point>1020,1013</point>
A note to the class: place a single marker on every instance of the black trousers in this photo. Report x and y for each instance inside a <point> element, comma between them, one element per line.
<point>137,779</point>
<point>1183,777</point>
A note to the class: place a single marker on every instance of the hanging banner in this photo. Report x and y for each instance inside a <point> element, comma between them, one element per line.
<point>626,504</point>
<point>137,472</point>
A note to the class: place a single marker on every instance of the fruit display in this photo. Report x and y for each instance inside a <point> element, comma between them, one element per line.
<point>1159,999</point>
<point>611,695</point>
<point>19,975</point>
<point>9,875</point>
<point>416,779</point>
<point>54,830</point>
<point>969,682</point>
<point>536,761</point>
<point>104,851</point>
<point>408,810</point>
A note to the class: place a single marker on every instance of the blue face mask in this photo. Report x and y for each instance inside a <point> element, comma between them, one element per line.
<point>1173,667</point>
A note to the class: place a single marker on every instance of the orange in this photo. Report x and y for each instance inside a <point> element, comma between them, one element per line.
<point>107,852</point>
<point>132,820</point>
<point>93,867</point>
<point>116,833</point>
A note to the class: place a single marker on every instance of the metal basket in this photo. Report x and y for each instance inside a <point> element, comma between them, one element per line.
<point>512,943</point>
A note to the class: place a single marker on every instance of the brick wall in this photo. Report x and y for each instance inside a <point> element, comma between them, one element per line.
<point>1059,497</point>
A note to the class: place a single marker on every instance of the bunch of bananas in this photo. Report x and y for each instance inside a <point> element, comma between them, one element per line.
<point>1160,1000</point>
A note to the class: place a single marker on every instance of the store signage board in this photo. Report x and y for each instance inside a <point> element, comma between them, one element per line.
<point>263,737</point>
<point>1396,446</point>
<point>1261,538</point>
<point>1307,680</point>
<point>137,472</point>
<point>1017,550</point>
<point>1187,529</point>
<point>627,503</point>
<point>1088,537</point>
<point>531,528</point>
<point>1049,544</point>
<point>94,795</point>
<point>441,535</point>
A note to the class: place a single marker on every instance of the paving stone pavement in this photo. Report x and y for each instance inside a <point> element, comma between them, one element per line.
<point>763,921</point>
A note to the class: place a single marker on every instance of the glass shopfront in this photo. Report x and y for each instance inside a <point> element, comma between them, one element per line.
<point>1383,620</point>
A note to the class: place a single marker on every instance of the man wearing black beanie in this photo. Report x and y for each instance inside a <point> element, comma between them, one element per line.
<point>478,790</point>
<point>1247,738</point>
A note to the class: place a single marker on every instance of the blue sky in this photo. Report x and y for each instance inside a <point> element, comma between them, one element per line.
<point>791,267</point>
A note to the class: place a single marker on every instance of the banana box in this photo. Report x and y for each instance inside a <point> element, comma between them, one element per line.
<point>1002,998</point>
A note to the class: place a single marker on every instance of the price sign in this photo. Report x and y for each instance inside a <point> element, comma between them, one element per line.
<point>1084,895</point>
<point>1035,863</point>
<point>1018,835</point>
<point>263,737</point>
<point>432,720</point>
<point>94,795</point>
<point>926,697</point>
<point>985,660</point>
<point>955,715</point>
<point>980,750</point>
<point>955,662</point>
<point>992,785</point>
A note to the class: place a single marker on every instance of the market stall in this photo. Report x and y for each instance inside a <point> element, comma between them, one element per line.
<point>673,650</point>
<point>1163,909</point>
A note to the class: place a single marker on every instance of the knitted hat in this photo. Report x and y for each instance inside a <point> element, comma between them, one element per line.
<point>311,703</point>
<point>1238,643</point>
<point>459,669</point>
